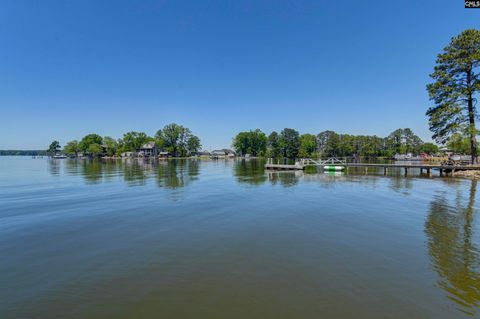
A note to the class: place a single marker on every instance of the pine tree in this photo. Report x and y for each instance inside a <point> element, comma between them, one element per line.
<point>453,92</point>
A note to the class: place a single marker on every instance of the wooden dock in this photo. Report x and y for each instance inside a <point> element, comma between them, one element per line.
<point>301,164</point>
<point>279,166</point>
<point>284,167</point>
<point>428,168</point>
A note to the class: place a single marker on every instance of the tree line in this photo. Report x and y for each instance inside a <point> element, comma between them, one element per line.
<point>175,139</point>
<point>290,143</point>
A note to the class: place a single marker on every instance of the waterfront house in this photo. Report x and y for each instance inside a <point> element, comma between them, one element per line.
<point>148,149</point>
<point>225,152</point>
<point>217,153</point>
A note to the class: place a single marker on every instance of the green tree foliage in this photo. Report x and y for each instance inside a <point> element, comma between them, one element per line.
<point>193,145</point>
<point>273,145</point>
<point>174,138</point>
<point>402,141</point>
<point>308,145</point>
<point>131,141</point>
<point>290,142</point>
<point>95,149</point>
<point>177,140</point>
<point>456,84</point>
<point>429,148</point>
<point>251,142</point>
<point>258,143</point>
<point>459,144</point>
<point>72,148</point>
<point>327,143</point>
<point>367,146</point>
<point>241,143</point>
<point>53,148</point>
<point>333,144</point>
<point>412,141</point>
<point>89,140</point>
<point>111,145</point>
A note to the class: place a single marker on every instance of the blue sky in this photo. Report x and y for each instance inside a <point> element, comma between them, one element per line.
<point>68,68</point>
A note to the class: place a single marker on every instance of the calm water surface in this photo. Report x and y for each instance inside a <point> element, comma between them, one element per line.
<point>224,239</point>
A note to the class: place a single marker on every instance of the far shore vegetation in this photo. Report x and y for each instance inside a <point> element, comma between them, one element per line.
<point>177,141</point>
<point>289,143</point>
<point>174,140</point>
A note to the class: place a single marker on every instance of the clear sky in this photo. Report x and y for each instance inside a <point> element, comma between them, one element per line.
<point>68,68</point>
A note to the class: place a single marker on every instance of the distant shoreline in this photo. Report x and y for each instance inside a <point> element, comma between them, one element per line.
<point>23,153</point>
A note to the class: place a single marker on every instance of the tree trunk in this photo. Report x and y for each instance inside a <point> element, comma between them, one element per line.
<point>473,133</point>
<point>471,120</point>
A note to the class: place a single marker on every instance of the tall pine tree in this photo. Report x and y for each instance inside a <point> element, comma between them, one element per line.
<point>455,88</point>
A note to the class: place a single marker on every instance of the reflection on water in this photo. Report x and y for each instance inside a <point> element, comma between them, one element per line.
<point>401,185</point>
<point>54,166</point>
<point>284,178</point>
<point>250,171</point>
<point>179,173</point>
<point>175,174</point>
<point>135,172</point>
<point>227,239</point>
<point>455,255</point>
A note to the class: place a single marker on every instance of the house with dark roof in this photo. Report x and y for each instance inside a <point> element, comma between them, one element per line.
<point>148,149</point>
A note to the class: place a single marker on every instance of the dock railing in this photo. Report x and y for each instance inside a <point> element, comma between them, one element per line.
<point>308,161</point>
<point>320,162</point>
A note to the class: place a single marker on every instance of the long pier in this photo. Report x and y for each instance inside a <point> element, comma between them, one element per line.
<point>428,168</point>
<point>443,169</point>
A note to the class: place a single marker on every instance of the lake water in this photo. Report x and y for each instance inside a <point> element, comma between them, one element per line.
<point>225,239</point>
